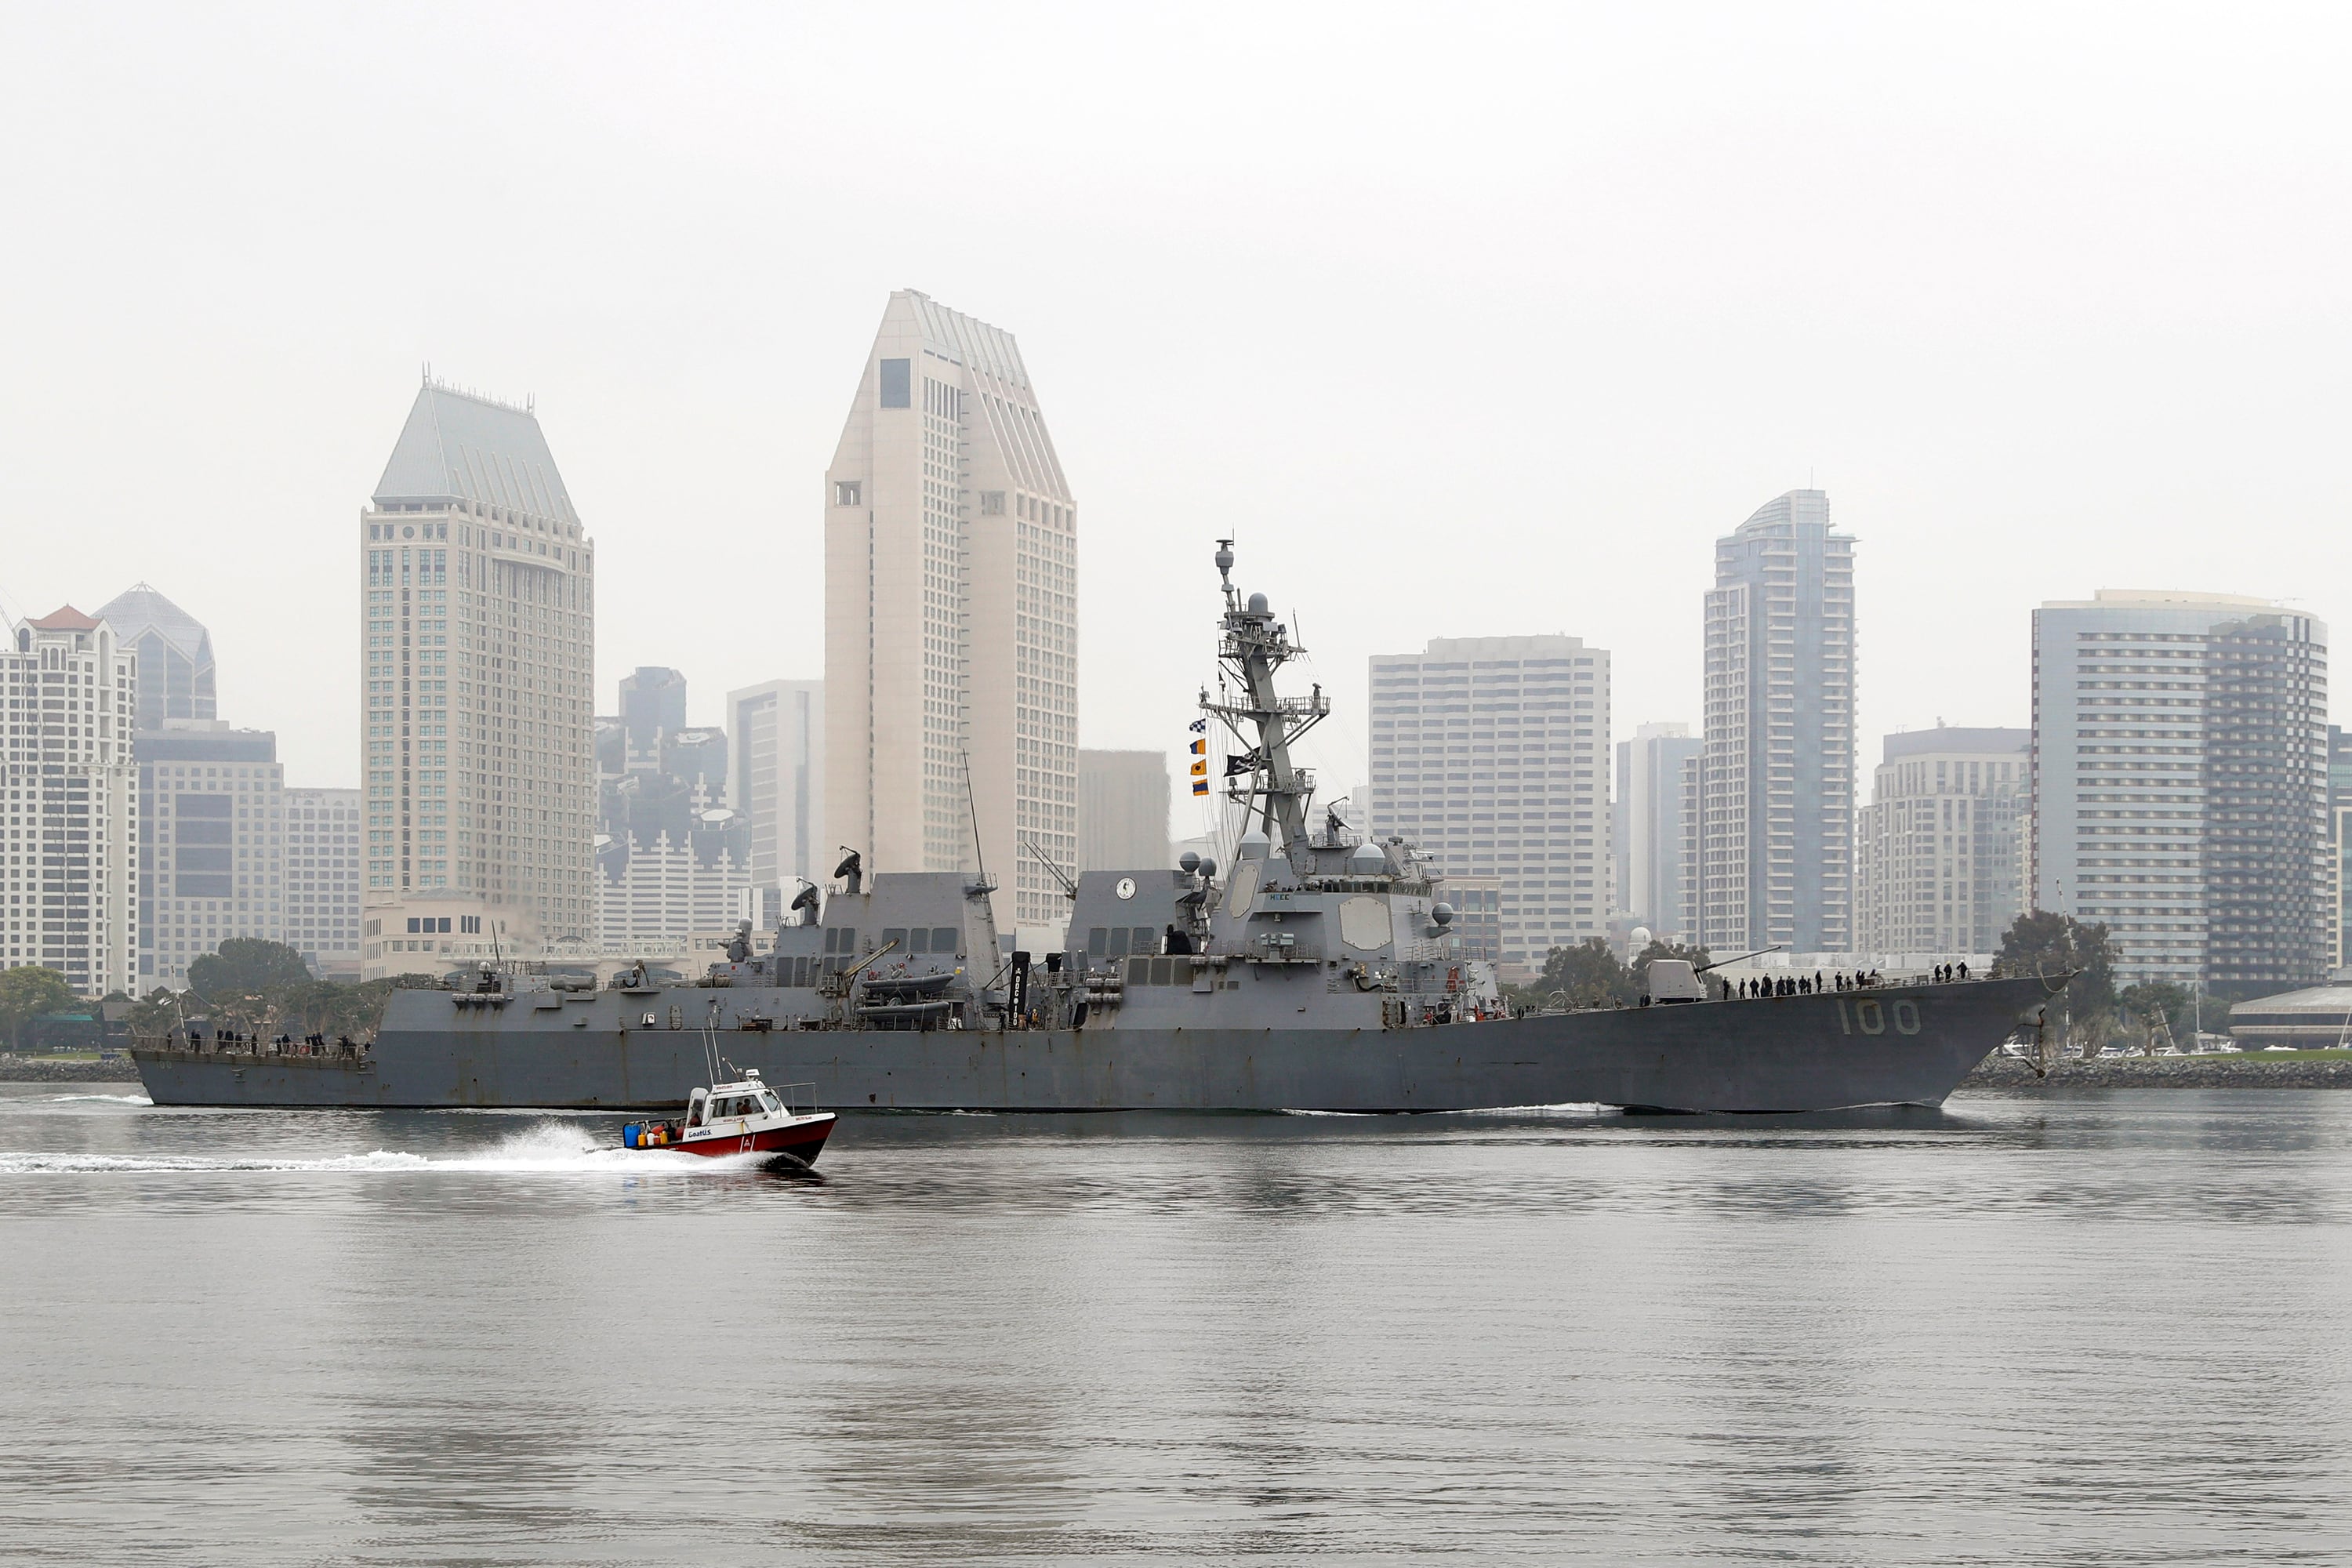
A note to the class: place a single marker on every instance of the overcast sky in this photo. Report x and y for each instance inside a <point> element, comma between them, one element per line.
<point>1465,321</point>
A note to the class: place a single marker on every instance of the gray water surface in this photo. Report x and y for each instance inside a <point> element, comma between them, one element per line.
<point>2106,1329</point>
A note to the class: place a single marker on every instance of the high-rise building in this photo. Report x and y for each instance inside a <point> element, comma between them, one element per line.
<point>777,730</point>
<point>665,888</point>
<point>1940,858</point>
<point>652,704</point>
<point>478,653</point>
<point>1657,830</point>
<point>2180,782</point>
<point>950,622</point>
<point>2340,843</point>
<point>1122,812</point>
<point>210,813</point>
<point>323,878</point>
<point>1776,808</point>
<point>1491,755</point>
<point>175,657</point>
<point>212,823</point>
<point>72,815</point>
<point>698,756</point>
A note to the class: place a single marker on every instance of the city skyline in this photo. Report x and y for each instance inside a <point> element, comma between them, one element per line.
<point>2234,653</point>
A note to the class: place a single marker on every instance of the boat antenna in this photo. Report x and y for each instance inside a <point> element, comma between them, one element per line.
<point>1069,888</point>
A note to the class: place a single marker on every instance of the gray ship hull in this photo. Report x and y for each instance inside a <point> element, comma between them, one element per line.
<point>1903,1045</point>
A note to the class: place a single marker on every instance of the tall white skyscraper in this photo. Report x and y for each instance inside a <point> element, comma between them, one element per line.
<point>1491,755</point>
<point>776,730</point>
<point>2180,782</point>
<point>1776,807</point>
<point>72,814</point>
<point>951,621</point>
<point>1657,827</point>
<point>479,656</point>
<point>1940,857</point>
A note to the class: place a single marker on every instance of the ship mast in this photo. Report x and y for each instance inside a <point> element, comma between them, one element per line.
<point>1254,645</point>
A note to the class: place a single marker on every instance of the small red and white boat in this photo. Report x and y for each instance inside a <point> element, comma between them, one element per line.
<point>746,1117</point>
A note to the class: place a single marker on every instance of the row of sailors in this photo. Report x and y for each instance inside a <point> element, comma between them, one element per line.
<point>1806,986</point>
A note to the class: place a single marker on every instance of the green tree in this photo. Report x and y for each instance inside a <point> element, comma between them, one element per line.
<point>1588,975</point>
<point>27,992</point>
<point>155,1014</point>
<point>247,966</point>
<point>2154,1002</point>
<point>2042,943</point>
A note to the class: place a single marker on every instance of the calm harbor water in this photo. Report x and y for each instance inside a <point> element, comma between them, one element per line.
<point>2106,1329</point>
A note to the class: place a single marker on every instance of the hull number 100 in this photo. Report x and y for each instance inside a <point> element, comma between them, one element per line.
<point>1867,1016</point>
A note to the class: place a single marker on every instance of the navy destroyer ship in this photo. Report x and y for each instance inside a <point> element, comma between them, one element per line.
<point>1317,972</point>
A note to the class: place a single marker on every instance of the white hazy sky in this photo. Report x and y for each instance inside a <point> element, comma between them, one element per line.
<point>1464,320</point>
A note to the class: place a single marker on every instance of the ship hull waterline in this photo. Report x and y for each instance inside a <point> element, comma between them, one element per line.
<point>1895,1045</point>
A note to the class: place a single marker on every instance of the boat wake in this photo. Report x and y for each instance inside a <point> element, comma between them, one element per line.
<point>547,1150</point>
<point>106,1099</point>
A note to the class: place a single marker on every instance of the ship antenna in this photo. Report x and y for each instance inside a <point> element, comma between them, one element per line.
<point>1069,888</point>
<point>972,805</point>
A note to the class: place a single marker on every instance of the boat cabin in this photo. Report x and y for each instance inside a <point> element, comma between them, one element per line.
<point>732,1102</point>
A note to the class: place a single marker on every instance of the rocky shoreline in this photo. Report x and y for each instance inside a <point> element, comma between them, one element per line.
<point>51,1069</point>
<point>2253,1071</point>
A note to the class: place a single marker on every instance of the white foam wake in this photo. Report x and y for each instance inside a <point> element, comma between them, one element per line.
<point>111,1098</point>
<point>547,1150</point>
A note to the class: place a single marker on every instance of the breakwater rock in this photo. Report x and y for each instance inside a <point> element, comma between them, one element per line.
<point>54,1070</point>
<point>2259,1070</point>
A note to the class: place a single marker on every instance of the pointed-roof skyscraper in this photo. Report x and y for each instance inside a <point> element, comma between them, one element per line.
<point>176,657</point>
<point>478,586</point>
<point>951,616</point>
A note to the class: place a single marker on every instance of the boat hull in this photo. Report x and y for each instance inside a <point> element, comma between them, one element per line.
<point>802,1140</point>
<point>1897,1046</point>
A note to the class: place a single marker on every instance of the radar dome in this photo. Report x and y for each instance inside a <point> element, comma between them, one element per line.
<point>1187,862</point>
<point>1442,913</point>
<point>1257,604</point>
<point>1641,938</point>
<point>1207,865</point>
<point>1255,846</point>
